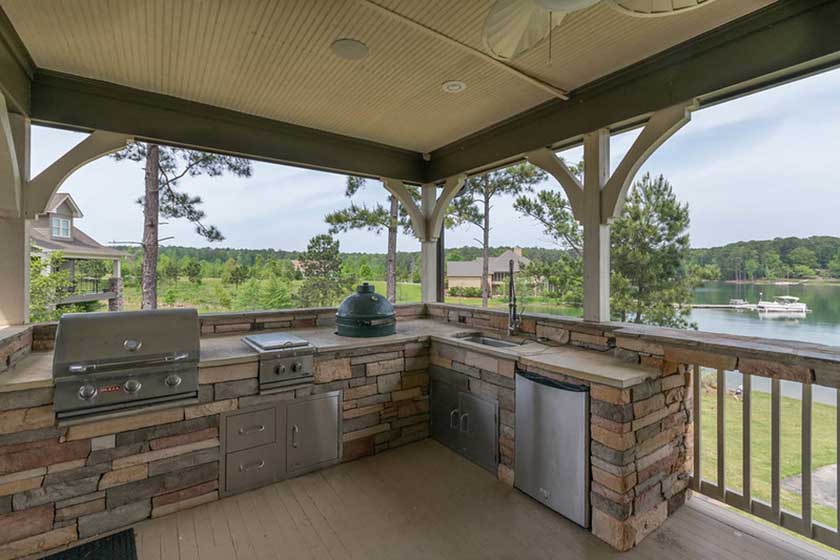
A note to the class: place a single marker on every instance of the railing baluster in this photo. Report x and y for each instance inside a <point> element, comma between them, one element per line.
<point>837,461</point>
<point>695,382</point>
<point>775,448</point>
<point>807,401</point>
<point>746,436</point>
<point>721,433</point>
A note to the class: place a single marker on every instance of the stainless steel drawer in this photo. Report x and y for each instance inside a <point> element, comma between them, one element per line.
<point>253,467</point>
<point>250,429</point>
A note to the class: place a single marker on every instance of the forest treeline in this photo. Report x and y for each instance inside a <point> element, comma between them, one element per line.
<point>788,257</point>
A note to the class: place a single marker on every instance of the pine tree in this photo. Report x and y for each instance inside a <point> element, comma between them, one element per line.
<point>164,168</point>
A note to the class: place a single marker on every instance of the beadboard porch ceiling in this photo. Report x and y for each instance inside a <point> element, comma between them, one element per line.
<point>272,59</point>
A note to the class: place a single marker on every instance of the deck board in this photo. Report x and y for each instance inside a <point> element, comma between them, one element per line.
<point>423,501</point>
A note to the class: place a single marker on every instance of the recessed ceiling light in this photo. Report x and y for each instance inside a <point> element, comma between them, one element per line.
<point>350,49</point>
<point>453,86</point>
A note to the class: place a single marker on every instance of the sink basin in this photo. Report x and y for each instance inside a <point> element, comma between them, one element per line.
<point>489,341</point>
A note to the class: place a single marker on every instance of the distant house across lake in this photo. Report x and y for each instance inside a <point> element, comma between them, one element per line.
<point>467,274</point>
<point>56,231</point>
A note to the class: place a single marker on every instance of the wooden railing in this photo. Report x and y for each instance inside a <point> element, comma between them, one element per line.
<point>770,508</point>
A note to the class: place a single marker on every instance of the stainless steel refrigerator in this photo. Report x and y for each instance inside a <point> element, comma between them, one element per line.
<point>552,444</point>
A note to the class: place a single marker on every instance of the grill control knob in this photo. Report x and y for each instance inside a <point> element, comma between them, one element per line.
<point>297,367</point>
<point>87,392</point>
<point>280,370</point>
<point>173,380</point>
<point>132,386</point>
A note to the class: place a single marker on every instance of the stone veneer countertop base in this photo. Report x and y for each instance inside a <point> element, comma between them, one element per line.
<point>35,371</point>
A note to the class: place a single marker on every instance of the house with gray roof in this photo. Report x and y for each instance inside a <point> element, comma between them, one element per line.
<point>56,231</point>
<point>467,274</point>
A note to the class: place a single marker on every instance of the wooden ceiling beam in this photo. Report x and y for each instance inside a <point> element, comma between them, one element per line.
<point>82,104</point>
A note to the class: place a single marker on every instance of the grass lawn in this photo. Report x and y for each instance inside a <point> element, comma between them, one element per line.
<point>823,445</point>
<point>209,296</point>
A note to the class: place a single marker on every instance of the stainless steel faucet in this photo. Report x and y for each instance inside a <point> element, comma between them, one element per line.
<point>513,317</point>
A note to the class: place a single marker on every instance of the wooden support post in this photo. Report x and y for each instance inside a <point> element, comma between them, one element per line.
<point>601,197</point>
<point>596,235</point>
<point>14,229</point>
<point>428,249</point>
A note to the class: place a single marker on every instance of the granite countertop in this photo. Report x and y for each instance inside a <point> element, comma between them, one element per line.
<point>35,370</point>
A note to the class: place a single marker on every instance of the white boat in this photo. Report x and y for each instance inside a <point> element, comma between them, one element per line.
<point>740,304</point>
<point>782,304</point>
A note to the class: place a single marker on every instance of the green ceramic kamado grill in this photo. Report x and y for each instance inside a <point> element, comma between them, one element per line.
<point>365,314</point>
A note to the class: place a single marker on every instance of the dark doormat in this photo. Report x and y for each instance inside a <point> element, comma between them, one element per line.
<point>119,546</point>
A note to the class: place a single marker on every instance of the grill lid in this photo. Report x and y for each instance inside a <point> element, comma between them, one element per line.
<point>365,314</point>
<point>88,342</point>
<point>273,341</point>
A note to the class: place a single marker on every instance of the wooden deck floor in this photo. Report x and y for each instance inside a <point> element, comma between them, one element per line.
<point>423,501</point>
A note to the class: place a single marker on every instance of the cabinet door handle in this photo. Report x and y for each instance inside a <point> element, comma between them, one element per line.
<point>295,432</point>
<point>251,430</point>
<point>465,416</point>
<point>255,466</point>
<point>452,421</point>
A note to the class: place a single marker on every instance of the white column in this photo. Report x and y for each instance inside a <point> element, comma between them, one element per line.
<point>428,248</point>
<point>117,271</point>
<point>596,235</point>
<point>14,271</point>
<point>14,230</point>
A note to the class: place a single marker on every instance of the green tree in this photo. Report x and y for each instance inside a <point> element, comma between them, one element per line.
<point>834,265</point>
<point>276,294</point>
<point>193,271</point>
<point>323,283</point>
<point>164,167</point>
<point>47,286</point>
<point>170,270</point>
<point>650,281</point>
<point>474,204</point>
<point>376,219</point>
<point>804,257</point>
<point>234,273</point>
<point>365,273</point>
<point>248,298</point>
<point>650,247</point>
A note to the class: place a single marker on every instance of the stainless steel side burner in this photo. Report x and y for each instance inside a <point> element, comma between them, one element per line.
<point>285,360</point>
<point>106,363</point>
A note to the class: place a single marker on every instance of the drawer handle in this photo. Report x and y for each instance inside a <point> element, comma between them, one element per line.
<point>465,416</point>
<point>251,430</point>
<point>452,421</point>
<point>295,432</point>
<point>255,466</point>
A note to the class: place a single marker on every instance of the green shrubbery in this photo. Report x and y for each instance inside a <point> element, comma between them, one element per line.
<point>464,291</point>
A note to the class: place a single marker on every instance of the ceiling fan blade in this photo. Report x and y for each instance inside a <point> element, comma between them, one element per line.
<point>656,8</point>
<point>514,26</point>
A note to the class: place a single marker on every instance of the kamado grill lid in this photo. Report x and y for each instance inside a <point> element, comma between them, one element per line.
<point>365,314</point>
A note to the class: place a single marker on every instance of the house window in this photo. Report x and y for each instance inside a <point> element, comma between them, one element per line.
<point>60,227</point>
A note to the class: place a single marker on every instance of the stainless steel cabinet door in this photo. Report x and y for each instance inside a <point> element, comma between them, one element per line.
<point>312,432</point>
<point>479,431</point>
<point>444,414</point>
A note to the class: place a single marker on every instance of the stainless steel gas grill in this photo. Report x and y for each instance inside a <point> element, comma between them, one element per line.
<point>285,359</point>
<point>108,363</point>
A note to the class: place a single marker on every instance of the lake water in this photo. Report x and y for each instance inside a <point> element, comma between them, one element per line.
<point>822,324</point>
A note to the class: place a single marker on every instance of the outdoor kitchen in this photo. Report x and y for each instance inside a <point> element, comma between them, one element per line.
<point>109,419</point>
<point>373,430</point>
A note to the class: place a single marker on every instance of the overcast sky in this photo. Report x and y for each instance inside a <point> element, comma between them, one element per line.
<point>759,167</point>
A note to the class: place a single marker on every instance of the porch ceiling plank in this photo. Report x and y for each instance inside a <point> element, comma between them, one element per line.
<point>16,67</point>
<point>779,43</point>
<point>80,103</point>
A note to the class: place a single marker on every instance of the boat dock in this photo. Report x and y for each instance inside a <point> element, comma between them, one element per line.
<point>738,307</point>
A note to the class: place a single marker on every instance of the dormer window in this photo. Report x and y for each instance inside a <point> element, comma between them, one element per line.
<point>60,227</point>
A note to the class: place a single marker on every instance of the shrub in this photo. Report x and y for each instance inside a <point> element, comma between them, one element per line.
<point>464,291</point>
